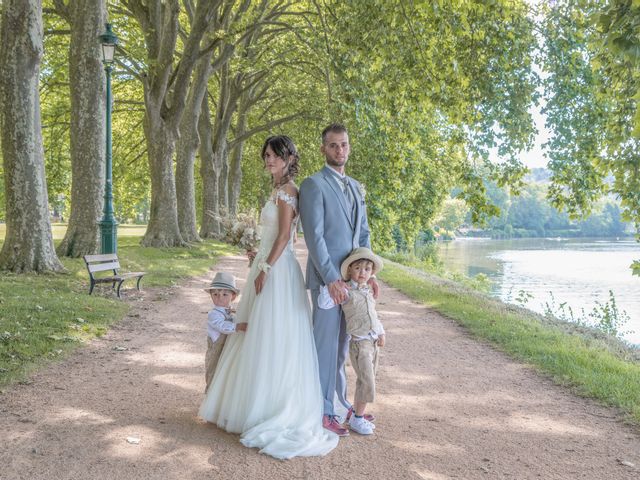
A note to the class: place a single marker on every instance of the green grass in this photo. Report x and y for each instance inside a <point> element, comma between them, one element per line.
<point>58,230</point>
<point>43,317</point>
<point>432,265</point>
<point>167,266</point>
<point>592,364</point>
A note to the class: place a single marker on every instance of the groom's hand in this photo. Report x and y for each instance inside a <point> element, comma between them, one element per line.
<point>338,291</point>
<point>373,283</point>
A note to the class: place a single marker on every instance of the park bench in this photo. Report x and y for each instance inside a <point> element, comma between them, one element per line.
<point>102,263</point>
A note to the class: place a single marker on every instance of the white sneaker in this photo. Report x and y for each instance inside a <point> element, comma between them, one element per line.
<point>360,425</point>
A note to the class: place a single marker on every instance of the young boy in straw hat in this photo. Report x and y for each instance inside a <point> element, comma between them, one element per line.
<point>220,322</point>
<point>365,330</point>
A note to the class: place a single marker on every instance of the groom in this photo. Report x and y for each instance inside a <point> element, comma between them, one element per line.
<point>334,220</point>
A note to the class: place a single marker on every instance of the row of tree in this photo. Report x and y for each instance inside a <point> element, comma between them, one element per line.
<point>427,89</point>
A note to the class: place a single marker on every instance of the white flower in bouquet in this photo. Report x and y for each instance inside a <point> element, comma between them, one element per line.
<point>240,230</point>
<point>250,239</point>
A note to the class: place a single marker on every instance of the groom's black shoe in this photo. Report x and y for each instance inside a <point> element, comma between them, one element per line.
<point>367,416</point>
<point>330,423</point>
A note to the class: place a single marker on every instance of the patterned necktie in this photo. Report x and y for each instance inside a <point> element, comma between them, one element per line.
<point>347,193</point>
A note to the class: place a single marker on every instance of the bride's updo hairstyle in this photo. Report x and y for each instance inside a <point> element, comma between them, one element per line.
<point>284,148</point>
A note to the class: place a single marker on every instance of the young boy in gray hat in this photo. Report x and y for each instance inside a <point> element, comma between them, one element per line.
<point>221,321</point>
<point>365,330</point>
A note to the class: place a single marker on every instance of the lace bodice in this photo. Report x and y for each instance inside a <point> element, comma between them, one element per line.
<point>282,196</point>
<point>269,221</point>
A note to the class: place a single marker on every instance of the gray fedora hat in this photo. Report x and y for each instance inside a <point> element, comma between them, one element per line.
<point>225,281</point>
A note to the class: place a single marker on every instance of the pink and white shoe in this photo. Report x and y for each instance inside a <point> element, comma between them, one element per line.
<point>367,416</point>
<point>330,423</point>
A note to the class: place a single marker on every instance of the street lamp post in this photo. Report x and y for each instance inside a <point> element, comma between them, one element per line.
<point>108,224</point>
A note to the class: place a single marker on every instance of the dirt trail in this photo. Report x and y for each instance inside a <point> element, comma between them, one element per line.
<point>449,407</point>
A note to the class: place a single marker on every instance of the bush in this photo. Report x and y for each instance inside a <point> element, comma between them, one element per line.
<point>605,317</point>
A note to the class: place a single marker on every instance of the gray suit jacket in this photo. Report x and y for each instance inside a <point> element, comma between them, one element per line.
<point>329,232</point>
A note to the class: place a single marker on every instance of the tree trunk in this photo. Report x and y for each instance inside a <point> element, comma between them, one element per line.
<point>210,227</point>
<point>185,188</point>
<point>162,230</point>
<point>215,165</point>
<point>223,187</point>
<point>87,86</point>
<point>235,168</point>
<point>235,178</point>
<point>186,152</point>
<point>28,244</point>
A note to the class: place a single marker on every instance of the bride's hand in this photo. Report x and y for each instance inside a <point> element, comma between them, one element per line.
<point>260,281</point>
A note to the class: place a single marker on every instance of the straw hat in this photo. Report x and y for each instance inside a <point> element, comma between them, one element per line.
<point>360,253</point>
<point>224,281</point>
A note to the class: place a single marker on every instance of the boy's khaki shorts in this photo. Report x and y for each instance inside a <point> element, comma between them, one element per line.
<point>214,349</point>
<point>364,359</point>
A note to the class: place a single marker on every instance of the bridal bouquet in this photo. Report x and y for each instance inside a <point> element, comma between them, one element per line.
<point>240,230</point>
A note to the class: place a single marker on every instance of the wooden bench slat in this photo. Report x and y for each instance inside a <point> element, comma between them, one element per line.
<point>101,267</point>
<point>131,274</point>
<point>111,279</point>
<point>100,258</point>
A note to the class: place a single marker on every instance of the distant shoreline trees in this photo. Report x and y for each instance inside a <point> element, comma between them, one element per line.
<point>530,214</point>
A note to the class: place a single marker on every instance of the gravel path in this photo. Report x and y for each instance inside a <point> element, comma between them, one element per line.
<point>449,406</point>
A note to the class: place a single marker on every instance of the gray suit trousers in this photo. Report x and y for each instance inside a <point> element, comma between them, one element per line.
<point>332,344</point>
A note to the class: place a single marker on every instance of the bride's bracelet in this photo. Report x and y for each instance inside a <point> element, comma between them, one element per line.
<point>264,266</point>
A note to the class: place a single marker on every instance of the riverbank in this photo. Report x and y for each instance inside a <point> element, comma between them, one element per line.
<point>571,278</point>
<point>589,362</point>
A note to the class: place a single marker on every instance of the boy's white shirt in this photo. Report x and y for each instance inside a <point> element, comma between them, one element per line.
<point>325,302</point>
<point>218,324</point>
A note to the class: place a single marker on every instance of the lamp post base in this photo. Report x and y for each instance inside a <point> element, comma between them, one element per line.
<point>108,236</point>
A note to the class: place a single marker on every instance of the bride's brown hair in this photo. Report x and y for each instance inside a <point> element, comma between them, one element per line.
<point>284,148</point>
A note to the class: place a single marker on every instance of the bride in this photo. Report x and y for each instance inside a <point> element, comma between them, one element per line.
<point>266,385</point>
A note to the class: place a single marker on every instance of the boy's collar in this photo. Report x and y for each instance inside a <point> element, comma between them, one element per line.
<point>356,285</point>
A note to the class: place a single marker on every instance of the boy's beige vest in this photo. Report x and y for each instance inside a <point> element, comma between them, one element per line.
<point>360,314</point>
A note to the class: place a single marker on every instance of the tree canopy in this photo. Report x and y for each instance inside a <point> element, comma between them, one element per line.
<point>431,92</point>
<point>591,54</point>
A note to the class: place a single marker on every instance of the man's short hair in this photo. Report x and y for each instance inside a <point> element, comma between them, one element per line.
<point>335,128</point>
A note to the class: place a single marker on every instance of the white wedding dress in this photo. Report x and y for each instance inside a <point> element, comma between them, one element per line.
<point>266,386</point>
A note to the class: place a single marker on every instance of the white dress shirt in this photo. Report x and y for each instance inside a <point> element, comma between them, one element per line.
<point>220,322</point>
<point>338,177</point>
<point>348,194</point>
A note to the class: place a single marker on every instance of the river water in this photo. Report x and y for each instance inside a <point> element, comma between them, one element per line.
<point>579,272</point>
